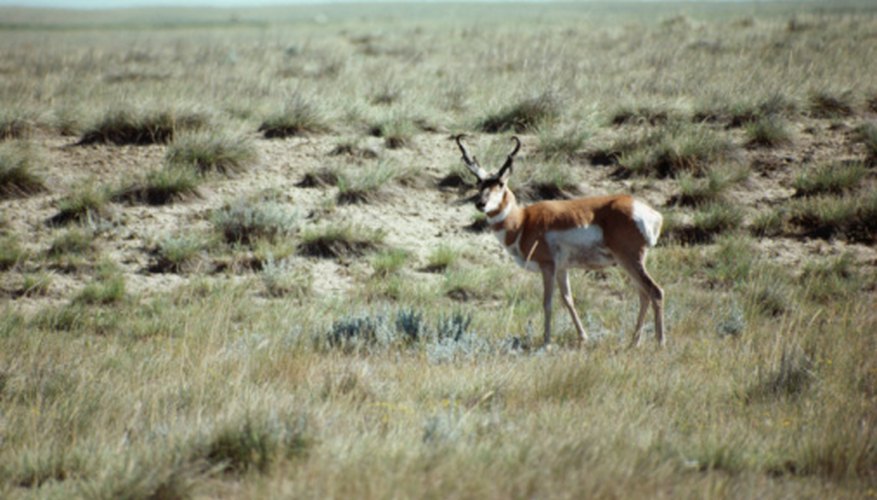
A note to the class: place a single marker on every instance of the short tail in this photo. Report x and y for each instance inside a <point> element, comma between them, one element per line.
<point>648,221</point>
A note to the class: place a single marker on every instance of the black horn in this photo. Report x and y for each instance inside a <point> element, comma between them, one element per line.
<point>470,162</point>
<point>505,171</point>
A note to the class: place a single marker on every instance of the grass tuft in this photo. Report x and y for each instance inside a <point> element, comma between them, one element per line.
<point>674,150</point>
<point>127,127</point>
<point>108,287</point>
<point>339,241</point>
<point>15,126</point>
<point>177,254</point>
<point>640,115</point>
<point>767,133</point>
<point>17,177</point>
<point>830,105</point>
<point>160,187</point>
<point>866,134</point>
<point>299,117</point>
<point>282,279</point>
<point>695,192</point>
<point>11,252</point>
<point>212,151</point>
<point>397,131</point>
<point>255,443</point>
<point>88,203</point>
<point>245,222</point>
<point>709,222</point>
<point>370,184</point>
<point>853,217</point>
<point>563,145</point>
<point>829,178</point>
<point>526,115</point>
<point>789,377</point>
<point>320,178</point>
<point>441,259</point>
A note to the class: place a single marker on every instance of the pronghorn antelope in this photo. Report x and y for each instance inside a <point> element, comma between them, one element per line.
<point>554,236</point>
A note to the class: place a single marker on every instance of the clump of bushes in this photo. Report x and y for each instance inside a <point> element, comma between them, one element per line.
<point>449,338</point>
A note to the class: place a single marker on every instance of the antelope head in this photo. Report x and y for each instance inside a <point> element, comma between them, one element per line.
<point>491,188</point>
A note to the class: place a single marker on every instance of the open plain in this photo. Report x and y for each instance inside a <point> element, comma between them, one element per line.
<point>238,258</point>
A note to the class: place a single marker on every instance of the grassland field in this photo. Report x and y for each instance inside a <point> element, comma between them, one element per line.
<point>239,259</point>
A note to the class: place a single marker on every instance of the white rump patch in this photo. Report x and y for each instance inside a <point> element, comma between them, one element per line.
<point>648,221</point>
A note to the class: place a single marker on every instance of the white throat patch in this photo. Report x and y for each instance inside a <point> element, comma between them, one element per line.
<point>506,210</point>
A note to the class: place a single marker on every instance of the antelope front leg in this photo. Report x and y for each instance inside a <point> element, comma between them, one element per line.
<point>566,295</point>
<point>547,296</point>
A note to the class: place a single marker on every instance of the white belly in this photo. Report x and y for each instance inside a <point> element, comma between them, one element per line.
<point>580,247</point>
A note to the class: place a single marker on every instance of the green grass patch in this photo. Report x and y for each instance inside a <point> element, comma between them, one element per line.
<point>831,280</point>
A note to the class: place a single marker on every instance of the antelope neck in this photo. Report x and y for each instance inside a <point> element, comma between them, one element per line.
<point>497,218</point>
